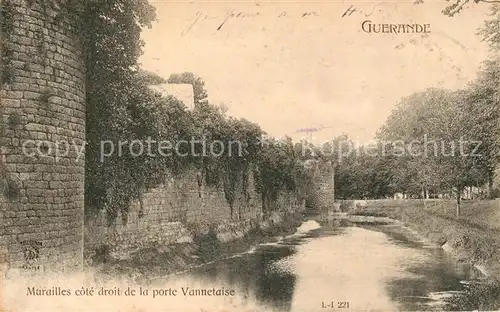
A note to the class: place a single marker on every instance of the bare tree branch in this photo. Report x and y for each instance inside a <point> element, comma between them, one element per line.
<point>457,5</point>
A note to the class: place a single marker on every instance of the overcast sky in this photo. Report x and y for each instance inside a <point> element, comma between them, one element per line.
<point>292,72</point>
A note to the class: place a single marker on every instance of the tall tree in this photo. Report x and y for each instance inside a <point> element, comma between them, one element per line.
<point>491,30</point>
<point>433,127</point>
<point>482,106</point>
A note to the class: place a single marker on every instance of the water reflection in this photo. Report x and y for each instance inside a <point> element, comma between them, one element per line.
<point>255,274</point>
<point>373,269</point>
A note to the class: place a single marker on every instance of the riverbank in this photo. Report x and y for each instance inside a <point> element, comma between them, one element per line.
<point>160,266</point>
<point>204,246</point>
<point>472,238</point>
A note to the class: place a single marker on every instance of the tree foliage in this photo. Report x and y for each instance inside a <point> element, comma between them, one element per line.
<point>121,108</point>
<point>454,7</point>
<point>491,30</point>
<point>419,136</point>
<point>434,142</point>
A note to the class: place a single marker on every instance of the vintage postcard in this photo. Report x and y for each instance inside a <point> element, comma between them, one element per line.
<point>275,156</point>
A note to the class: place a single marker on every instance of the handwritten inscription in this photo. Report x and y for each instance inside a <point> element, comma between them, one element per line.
<point>236,15</point>
<point>352,10</point>
<point>232,15</point>
<point>367,26</point>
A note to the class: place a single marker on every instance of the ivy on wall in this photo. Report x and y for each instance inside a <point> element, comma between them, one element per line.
<point>9,189</point>
<point>7,25</point>
<point>9,186</point>
<point>121,107</point>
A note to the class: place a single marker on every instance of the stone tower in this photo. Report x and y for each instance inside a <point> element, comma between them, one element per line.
<point>325,186</point>
<point>321,196</point>
<point>42,138</point>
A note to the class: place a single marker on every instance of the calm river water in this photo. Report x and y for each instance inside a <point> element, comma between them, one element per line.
<point>351,268</point>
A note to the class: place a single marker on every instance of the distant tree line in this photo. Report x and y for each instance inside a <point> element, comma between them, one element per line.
<point>435,141</point>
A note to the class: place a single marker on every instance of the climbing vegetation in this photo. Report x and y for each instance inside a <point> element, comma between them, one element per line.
<point>122,109</point>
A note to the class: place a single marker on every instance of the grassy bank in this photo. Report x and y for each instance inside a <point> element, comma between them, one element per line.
<point>474,238</point>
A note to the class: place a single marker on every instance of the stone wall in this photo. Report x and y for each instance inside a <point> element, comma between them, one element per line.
<point>322,194</point>
<point>176,211</point>
<point>42,169</point>
<point>41,205</point>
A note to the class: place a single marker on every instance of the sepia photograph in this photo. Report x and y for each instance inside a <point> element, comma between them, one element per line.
<point>258,155</point>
